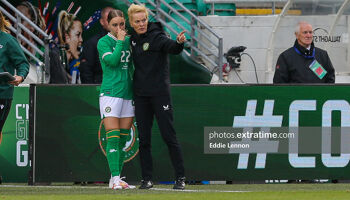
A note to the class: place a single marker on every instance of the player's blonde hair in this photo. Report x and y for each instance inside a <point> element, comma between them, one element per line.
<point>65,24</point>
<point>136,9</point>
<point>4,24</point>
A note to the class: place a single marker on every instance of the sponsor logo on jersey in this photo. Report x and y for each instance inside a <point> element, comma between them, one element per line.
<point>1,46</point>
<point>145,46</point>
<point>112,150</point>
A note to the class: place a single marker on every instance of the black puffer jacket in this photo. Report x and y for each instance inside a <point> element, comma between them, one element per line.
<point>150,55</point>
<point>293,65</point>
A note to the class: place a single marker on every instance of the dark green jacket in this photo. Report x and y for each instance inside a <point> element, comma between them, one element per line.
<point>11,58</point>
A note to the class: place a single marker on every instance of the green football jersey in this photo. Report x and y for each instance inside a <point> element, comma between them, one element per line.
<point>115,58</point>
<point>11,58</point>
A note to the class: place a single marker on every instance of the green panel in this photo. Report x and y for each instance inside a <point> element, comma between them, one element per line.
<point>14,163</point>
<point>68,119</point>
<point>217,106</point>
<point>66,139</point>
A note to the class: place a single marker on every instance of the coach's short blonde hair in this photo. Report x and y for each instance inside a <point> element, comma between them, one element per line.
<point>136,9</point>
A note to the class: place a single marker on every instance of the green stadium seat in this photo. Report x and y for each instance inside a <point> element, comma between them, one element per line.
<point>223,9</point>
<point>178,29</point>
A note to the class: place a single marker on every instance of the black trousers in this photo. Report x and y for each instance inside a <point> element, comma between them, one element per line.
<point>146,107</point>
<point>5,105</point>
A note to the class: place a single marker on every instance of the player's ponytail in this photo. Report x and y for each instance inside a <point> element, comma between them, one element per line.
<point>4,24</point>
<point>114,13</point>
<point>65,23</point>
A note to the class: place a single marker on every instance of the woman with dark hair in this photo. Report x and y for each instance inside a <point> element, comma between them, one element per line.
<point>70,37</point>
<point>116,104</point>
<point>12,58</point>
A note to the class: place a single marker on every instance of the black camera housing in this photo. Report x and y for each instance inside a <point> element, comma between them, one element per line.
<point>233,56</point>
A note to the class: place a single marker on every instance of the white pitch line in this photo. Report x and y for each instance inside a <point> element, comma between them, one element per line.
<point>106,188</point>
<point>172,190</point>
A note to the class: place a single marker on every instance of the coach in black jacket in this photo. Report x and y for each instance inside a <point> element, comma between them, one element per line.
<point>304,63</point>
<point>150,49</point>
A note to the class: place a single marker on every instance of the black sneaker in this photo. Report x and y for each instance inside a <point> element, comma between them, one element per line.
<point>179,184</point>
<point>146,185</point>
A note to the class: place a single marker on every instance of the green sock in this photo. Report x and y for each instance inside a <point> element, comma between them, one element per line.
<point>124,135</point>
<point>112,150</point>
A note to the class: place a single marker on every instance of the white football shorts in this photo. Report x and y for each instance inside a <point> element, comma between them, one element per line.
<point>116,107</point>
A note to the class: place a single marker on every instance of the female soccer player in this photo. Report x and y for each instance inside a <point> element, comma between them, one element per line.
<point>12,58</point>
<point>116,105</point>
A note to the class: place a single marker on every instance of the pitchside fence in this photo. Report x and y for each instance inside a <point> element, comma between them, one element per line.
<point>64,125</point>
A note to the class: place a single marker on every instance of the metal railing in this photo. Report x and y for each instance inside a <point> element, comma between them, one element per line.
<point>214,46</point>
<point>17,29</point>
<point>270,49</point>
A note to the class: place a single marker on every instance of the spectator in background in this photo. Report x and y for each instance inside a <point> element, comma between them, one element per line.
<point>304,63</point>
<point>34,15</point>
<point>12,59</point>
<point>58,72</point>
<point>90,66</point>
<point>70,37</point>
